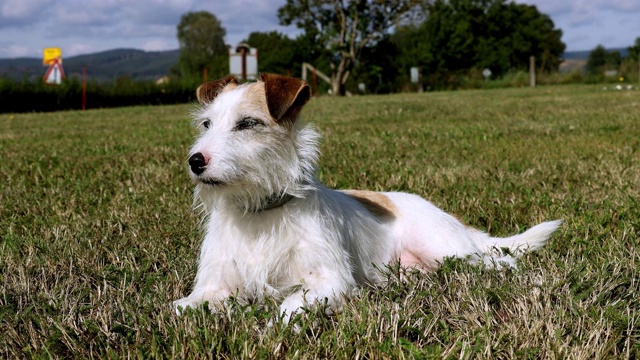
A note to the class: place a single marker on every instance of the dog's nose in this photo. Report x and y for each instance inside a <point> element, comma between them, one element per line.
<point>198,163</point>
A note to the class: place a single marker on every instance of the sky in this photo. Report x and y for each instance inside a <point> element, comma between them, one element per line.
<point>88,26</point>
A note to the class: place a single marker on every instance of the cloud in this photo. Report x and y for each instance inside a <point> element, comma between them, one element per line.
<point>549,7</point>
<point>94,25</point>
<point>587,23</point>
<point>157,45</point>
<point>583,15</point>
<point>240,22</point>
<point>17,51</point>
<point>21,9</point>
<point>22,12</point>
<point>78,48</point>
<point>81,26</point>
<point>582,11</point>
<point>623,5</point>
<point>157,12</point>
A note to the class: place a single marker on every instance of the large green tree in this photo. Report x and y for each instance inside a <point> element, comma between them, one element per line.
<point>201,39</point>
<point>461,35</point>
<point>344,28</point>
<point>518,31</point>
<point>377,69</point>
<point>276,53</point>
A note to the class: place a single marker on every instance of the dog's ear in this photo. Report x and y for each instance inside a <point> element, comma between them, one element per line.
<point>285,96</point>
<point>208,91</point>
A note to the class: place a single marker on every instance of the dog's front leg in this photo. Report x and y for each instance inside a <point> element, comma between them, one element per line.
<point>214,295</point>
<point>215,282</point>
<point>320,287</point>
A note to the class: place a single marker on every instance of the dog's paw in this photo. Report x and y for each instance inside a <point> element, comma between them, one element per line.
<point>183,304</point>
<point>291,306</point>
<point>211,296</point>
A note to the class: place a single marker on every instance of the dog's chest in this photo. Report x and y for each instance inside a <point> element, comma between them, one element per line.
<point>265,260</point>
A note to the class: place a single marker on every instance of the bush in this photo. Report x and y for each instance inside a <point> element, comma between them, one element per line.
<point>28,96</point>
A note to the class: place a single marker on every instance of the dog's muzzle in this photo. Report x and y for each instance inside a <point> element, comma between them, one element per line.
<point>198,163</point>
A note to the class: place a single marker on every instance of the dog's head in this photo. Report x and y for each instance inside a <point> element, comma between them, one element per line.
<point>250,145</point>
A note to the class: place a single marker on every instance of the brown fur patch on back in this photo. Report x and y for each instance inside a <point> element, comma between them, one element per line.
<point>376,203</point>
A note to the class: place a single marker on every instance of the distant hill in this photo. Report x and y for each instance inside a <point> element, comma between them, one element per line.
<point>152,65</point>
<point>577,60</point>
<point>576,55</point>
<point>584,55</point>
<point>102,66</point>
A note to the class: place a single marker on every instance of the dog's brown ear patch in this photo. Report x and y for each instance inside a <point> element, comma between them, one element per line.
<point>208,91</point>
<point>285,96</point>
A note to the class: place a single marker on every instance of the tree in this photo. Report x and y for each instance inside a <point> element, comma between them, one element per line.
<point>634,51</point>
<point>596,60</point>
<point>600,60</point>
<point>344,28</point>
<point>278,54</point>
<point>462,35</point>
<point>201,39</point>
<point>522,31</point>
<point>377,68</point>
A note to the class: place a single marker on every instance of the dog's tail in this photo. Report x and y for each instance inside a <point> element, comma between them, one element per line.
<point>530,240</point>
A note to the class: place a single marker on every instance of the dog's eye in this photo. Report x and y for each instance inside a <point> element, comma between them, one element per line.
<point>206,124</point>
<point>246,123</point>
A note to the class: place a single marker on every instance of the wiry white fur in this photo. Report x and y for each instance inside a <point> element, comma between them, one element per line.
<point>321,244</point>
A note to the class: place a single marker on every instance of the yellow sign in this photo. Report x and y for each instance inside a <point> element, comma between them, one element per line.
<point>49,55</point>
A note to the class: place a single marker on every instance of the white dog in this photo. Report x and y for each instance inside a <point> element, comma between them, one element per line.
<point>272,228</point>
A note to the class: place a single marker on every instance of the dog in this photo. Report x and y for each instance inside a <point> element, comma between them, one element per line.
<point>272,229</point>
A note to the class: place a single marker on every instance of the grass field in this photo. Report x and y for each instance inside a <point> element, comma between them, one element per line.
<point>98,235</point>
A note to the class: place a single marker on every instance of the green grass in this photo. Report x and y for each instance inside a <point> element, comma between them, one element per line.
<point>98,235</point>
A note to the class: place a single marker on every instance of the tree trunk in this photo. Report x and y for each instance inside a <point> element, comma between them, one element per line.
<point>337,88</point>
<point>340,76</point>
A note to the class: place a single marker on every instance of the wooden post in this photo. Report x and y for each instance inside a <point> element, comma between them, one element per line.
<point>243,53</point>
<point>205,74</point>
<point>532,71</point>
<point>315,82</point>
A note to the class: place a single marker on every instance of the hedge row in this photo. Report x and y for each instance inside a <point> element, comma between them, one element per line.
<point>27,96</point>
